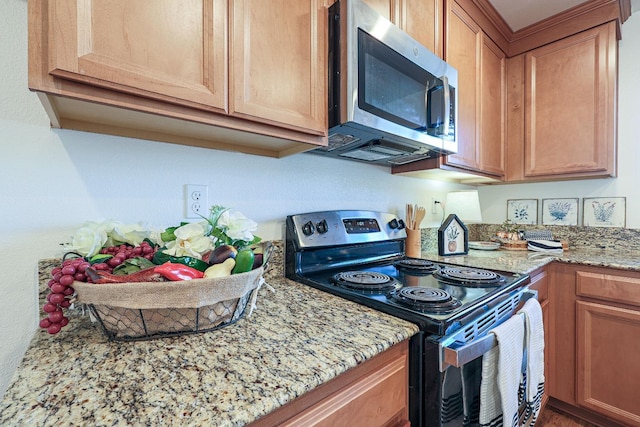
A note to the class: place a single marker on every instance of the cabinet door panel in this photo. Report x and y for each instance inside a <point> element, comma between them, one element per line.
<point>608,368</point>
<point>278,68</point>
<point>463,46</point>
<point>492,108</point>
<point>380,399</point>
<point>422,20</point>
<point>170,50</point>
<point>570,90</point>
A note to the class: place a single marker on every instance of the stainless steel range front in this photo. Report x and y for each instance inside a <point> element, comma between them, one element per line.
<point>359,255</point>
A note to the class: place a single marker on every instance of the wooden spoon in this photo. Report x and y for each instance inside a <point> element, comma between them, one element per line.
<point>420,214</point>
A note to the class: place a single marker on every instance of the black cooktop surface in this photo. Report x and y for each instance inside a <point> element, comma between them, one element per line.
<point>425,295</point>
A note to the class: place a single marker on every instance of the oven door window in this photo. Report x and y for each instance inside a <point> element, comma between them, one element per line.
<point>396,89</point>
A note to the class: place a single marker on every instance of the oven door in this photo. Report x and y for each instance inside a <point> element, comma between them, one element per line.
<point>460,363</point>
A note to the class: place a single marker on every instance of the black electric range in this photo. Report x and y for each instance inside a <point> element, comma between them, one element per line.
<point>359,256</point>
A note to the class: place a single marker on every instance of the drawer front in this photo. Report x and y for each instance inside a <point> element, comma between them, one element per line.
<point>608,287</point>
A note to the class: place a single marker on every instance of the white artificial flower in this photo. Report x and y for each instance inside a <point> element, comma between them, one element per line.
<point>191,240</point>
<point>88,239</point>
<point>237,226</point>
<point>132,234</point>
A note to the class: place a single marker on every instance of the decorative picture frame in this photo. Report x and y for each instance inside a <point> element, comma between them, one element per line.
<point>453,237</point>
<point>604,211</point>
<point>560,211</point>
<point>522,211</point>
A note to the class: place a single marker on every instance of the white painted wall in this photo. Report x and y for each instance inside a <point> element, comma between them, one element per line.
<point>51,181</point>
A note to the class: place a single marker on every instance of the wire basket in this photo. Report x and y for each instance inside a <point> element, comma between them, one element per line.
<point>147,310</point>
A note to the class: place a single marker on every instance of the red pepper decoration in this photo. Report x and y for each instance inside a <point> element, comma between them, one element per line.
<point>176,271</point>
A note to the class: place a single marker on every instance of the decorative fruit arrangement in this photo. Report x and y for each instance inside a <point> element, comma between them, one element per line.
<point>111,252</point>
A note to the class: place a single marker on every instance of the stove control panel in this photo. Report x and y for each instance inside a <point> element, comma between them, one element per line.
<point>331,228</point>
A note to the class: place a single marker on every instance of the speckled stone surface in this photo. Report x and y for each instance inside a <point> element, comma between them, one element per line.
<point>588,238</point>
<point>528,261</point>
<point>621,240</point>
<point>596,246</point>
<point>297,339</point>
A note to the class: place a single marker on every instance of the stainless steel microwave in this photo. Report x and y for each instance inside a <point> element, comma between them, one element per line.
<point>391,100</point>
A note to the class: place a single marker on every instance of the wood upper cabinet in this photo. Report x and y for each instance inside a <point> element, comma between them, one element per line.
<point>161,50</point>
<point>421,19</point>
<point>565,107</point>
<point>278,62</point>
<point>481,94</point>
<point>238,75</point>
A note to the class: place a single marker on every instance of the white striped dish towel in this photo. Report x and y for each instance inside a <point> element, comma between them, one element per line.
<point>534,351</point>
<point>501,374</point>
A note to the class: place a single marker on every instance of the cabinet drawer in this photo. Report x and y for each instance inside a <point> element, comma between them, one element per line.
<point>608,287</point>
<point>378,399</point>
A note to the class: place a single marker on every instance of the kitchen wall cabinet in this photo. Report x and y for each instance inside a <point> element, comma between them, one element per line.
<point>372,394</point>
<point>481,100</point>
<point>215,73</point>
<point>595,323</point>
<point>562,108</point>
<point>421,19</point>
<point>481,79</point>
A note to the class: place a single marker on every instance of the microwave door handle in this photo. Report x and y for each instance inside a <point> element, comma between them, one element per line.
<point>426,107</point>
<point>447,105</point>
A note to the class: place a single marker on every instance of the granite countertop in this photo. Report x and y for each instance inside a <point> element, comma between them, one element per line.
<point>527,261</point>
<point>297,339</point>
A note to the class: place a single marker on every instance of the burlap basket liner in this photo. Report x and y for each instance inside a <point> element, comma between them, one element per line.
<point>180,294</point>
<point>143,310</point>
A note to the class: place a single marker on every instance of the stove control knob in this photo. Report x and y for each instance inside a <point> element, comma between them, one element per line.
<point>394,223</point>
<point>401,224</point>
<point>322,227</point>
<point>308,229</point>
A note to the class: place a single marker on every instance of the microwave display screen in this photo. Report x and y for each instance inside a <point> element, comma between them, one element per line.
<point>391,86</point>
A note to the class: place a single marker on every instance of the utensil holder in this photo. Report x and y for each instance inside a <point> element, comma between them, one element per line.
<point>413,244</point>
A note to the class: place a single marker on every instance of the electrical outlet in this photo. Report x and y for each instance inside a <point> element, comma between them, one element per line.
<point>196,201</point>
<point>434,205</point>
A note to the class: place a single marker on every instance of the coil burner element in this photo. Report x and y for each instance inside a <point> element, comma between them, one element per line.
<point>367,281</point>
<point>416,265</point>
<point>429,300</point>
<point>467,276</point>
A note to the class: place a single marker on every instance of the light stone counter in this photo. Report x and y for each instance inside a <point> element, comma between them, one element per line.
<point>297,339</point>
<point>528,261</point>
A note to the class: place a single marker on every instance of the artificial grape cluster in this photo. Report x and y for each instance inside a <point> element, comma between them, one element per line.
<point>124,252</point>
<point>60,292</point>
<point>63,276</point>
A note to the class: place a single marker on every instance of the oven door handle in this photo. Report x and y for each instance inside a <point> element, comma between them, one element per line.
<point>457,353</point>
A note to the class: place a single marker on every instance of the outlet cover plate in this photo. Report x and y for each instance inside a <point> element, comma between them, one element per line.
<point>196,201</point>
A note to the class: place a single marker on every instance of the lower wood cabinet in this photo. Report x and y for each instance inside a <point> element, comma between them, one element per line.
<point>374,393</point>
<point>595,343</point>
<point>540,283</point>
